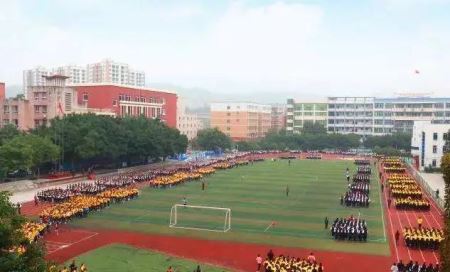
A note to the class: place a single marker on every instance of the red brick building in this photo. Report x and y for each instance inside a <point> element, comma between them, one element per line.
<point>128,100</point>
<point>2,91</point>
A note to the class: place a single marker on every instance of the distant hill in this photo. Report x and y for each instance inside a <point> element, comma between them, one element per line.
<point>201,98</point>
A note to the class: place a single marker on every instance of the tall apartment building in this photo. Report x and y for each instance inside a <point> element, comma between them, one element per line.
<point>427,143</point>
<point>104,72</point>
<point>109,71</point>
<point>34,77</point>
<point>278,117</point>
<point>379,116</point>
<point>299,112</point>
<point>75,74</point>
<point>241,120</point>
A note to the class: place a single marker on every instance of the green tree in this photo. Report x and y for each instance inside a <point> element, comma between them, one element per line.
<point>11,236</point>
<point>27,152</point>
<point>212,139</point>
<point>445,245</point>
<point>8,132</point>
<point>399,141</point>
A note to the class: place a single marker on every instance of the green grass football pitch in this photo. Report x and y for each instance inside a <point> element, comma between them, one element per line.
<point>104,259</point>
<point>256,195</point>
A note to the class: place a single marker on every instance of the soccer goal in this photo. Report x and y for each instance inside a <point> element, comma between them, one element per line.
<point>200,218</point>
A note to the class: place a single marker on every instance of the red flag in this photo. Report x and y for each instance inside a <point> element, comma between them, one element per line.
<point>274,223</point>
<point>60,108</point>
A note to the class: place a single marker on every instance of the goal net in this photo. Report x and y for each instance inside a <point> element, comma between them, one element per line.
<point>200,218</point>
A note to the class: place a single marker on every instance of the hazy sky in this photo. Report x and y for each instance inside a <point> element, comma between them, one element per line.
<point>314,47</point>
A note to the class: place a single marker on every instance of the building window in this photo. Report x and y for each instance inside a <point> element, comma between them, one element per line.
<point>228,128</point>
<point>435,136</point>
<point>114,102</point>
<point>434,149</point>
<point>228,107</point>
<point>36,109</point>
<point>228,121</point>
<point>85,97</point>
<point>433,163</point>
<point>444,136</point>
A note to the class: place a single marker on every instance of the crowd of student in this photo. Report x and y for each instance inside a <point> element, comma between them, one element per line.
<point>54,195</point>
<point>33,230</point>
<point>358,177</point>
<point>414,267</point>
<point>283,263</point>
<point>423,238</point>
<point>352,229</point>
<point>314,156</point>
<point>393,165</point>
<point>365,169</point>
<point>362,162</point>
<point>360,187</point>
<point>71,268</point>
<point>412,204</point>
<point>356,199</point>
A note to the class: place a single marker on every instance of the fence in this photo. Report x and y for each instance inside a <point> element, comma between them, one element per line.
<point>432,193</point>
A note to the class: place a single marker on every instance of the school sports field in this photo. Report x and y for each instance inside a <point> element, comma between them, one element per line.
<point>256,195</point>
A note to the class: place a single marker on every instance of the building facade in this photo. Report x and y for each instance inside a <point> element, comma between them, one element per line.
<point>241,120</point>
<point>427,143</point>
<point>187,123</point>
<point>351,115</point>
<point>34,77</point>
<point>2,91</point>
<point>104,72</point>
<point>380,116</point>
<point>55,98</point>
<point>299,112</point>
<point>42,103</point>
<point>75,74</point>
<point>278,117</point>
<point>129,101</point>
<point>109,71</point>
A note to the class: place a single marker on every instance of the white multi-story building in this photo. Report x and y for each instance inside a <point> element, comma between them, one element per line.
<point>380,116</point>
<point>104,72</point>
<point>75,74</point>
<point>187,123</point>
<point>136,78</point>
<point>427,143</point>
<point>109,71</point>
<point>34,77</point>
<point>351,115</point>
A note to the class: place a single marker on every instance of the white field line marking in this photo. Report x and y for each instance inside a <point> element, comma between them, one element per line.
<point>71,244</point>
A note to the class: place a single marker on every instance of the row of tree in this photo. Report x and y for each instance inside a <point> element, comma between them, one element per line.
<point>84,141</point>
<point>313,137</point>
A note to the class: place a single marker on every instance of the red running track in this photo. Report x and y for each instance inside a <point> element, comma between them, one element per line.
<point>233,255</point>
<point>399,219</point>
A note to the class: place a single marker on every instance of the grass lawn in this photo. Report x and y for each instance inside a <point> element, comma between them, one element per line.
<point>134,259</point>
<point>256,196</point>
